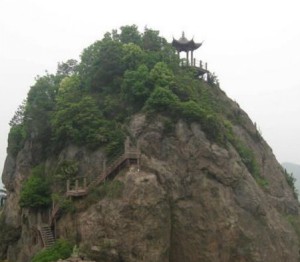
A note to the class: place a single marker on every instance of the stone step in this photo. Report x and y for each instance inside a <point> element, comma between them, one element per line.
<point>47,236</point>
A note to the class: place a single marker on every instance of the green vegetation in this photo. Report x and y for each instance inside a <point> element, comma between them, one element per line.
<point>246,154</point>
<point>66,170</point>
<point>36,192</point>
<point>65,204</point>
<point>17,134</point>
<point>62,249</point>
<point>88,103</point>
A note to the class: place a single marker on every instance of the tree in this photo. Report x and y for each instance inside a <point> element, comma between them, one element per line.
<point>152,41</point>
<point>130,34</point>
<point>67,68</point>
<point>76,119</point>
<point>162,100</point>
<point>136,86</point>
<point>132,56</point>
<point>16,139</point>
<point>161,75</point>
<point>39,107</point>
<point>18,117</point>
<point>101,63</point>
<point>36,192</point>
<point>17,133</point>
<point>89,58</point>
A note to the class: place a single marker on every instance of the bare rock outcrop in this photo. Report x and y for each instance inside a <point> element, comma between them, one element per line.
<point>191,200</point>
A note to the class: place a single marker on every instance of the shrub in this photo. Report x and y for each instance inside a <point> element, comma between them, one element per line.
<point>16,138</point>
<point>210,123</point>
<point>192,111</point>
<point>66,205</point>
<point>213,128</point>
<point>161,75</point>
<point>246,154</point>
<point>36,191</point>
<point>62,249</point>
<point>66,170</point>
<point>162,100</point>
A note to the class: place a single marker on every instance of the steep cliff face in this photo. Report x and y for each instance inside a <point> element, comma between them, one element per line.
<point>207,186</point>
<point>191,200</point>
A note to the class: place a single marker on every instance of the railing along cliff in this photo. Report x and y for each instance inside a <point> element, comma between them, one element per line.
<point>81,187</point>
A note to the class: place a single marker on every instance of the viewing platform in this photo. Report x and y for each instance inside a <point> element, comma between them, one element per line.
<point>199,65</point>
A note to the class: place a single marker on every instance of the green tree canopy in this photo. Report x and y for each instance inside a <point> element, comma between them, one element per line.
<point>136,86</point>
<point>162,100</point>
<point>161,75</point>
<point>76,117</point>
<point>130,34</point>
<point>36,192</point>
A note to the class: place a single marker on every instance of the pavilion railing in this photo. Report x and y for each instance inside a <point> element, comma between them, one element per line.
<point>195,63</point>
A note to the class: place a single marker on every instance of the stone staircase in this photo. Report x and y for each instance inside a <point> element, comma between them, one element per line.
<point>47,236</point>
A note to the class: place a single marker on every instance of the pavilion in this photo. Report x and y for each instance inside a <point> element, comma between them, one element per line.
<point>189,46</point>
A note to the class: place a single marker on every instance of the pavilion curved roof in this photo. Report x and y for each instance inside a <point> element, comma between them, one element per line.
<point>183,44</point>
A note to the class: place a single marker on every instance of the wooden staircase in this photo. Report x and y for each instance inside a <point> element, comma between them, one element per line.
<point>47,236</point>
<point>131,155</point>
<point>81,187</point>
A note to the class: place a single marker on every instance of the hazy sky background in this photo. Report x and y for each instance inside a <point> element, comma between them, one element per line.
<point>252,46</point>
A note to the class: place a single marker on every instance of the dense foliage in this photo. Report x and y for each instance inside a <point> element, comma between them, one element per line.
<point>88,103</point>
<point>36,191</point>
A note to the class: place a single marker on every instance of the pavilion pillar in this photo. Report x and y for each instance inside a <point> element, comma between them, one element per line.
<point>192,58</point>
<point>187,57</point>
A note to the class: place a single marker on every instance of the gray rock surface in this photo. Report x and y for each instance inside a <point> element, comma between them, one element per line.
<point>191,200</point>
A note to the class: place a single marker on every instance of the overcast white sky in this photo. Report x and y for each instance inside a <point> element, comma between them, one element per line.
<point>253,46</point>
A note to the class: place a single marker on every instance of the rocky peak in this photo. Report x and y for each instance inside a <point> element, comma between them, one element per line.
<point>206,187</point>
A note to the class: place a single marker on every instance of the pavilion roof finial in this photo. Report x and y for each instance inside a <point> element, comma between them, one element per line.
<point>183,44</point>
